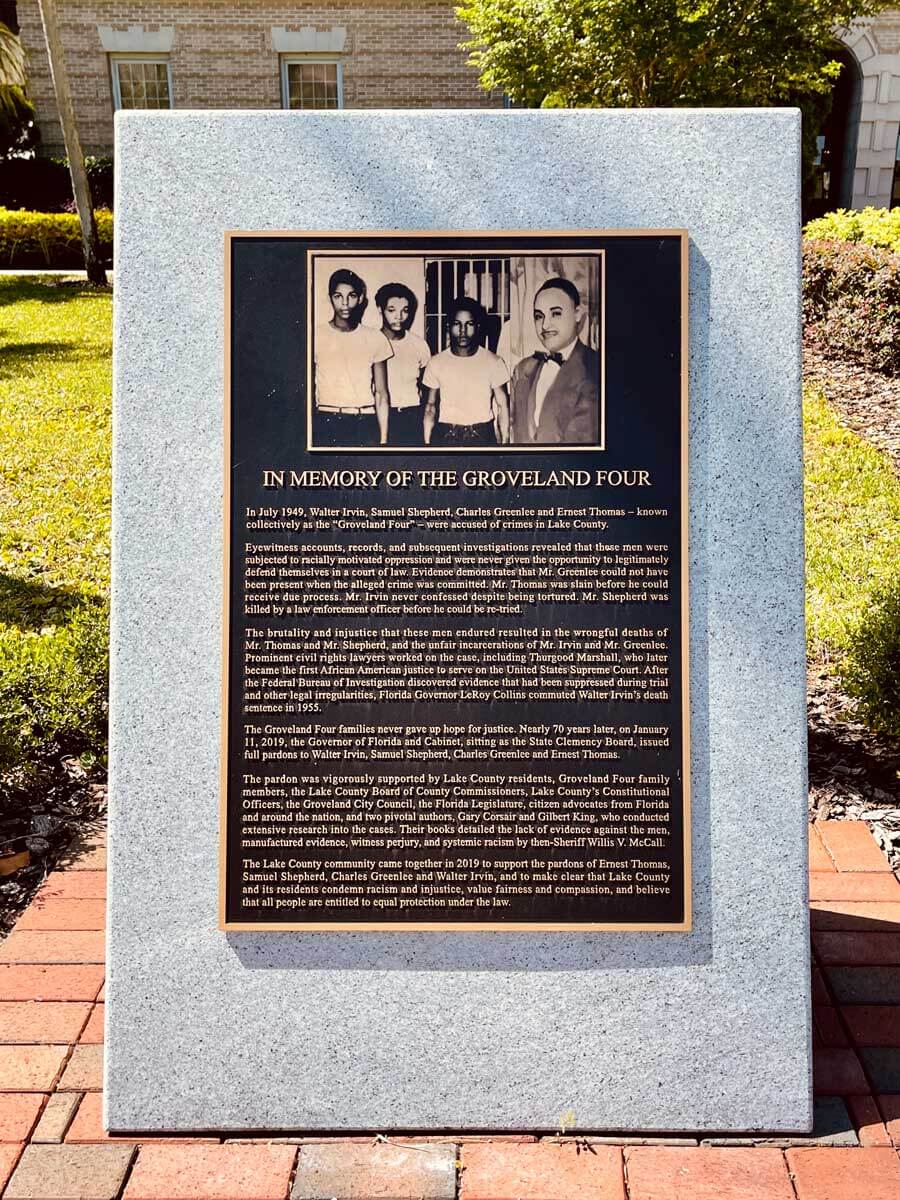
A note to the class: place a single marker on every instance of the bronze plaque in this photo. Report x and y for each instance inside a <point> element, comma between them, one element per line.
<point>455,632</point>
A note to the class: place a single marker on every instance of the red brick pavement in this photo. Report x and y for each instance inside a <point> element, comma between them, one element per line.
<point>53,1146</point>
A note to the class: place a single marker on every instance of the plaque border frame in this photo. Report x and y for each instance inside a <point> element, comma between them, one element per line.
<point>514,927</point>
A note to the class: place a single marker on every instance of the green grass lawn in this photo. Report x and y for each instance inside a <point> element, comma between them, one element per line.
<point>55,412</point>
<point>852,527</point>
<point>55,371</point>
<point>853,562</point>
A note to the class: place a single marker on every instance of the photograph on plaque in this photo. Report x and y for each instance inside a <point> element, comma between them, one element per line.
<point>439,350</point>
<point>455,681</point>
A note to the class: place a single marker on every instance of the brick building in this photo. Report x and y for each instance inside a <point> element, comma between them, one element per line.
<point>377,54</point>
<point>250,54</point>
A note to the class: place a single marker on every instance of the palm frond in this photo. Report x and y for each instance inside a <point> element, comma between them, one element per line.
<point>12,59</point>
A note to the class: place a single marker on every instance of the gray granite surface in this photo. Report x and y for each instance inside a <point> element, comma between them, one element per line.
<point>281,1031</point>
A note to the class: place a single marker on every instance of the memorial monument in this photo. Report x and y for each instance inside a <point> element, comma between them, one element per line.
<point>458,623</point>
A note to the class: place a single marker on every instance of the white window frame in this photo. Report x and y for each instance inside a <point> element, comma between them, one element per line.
<point>115,59</point>
<point>310,60</point>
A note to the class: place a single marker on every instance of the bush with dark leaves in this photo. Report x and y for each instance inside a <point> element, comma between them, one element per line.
<point>851,301</point>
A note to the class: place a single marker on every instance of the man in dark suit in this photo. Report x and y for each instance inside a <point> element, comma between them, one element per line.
<point>556,391</point>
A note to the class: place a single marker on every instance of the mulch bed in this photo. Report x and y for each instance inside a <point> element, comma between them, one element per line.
<point>854,774</point>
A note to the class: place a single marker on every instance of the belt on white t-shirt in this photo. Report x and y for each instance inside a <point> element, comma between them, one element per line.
<point>346,409</point>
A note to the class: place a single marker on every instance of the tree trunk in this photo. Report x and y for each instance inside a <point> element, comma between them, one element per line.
<point>80,186</point>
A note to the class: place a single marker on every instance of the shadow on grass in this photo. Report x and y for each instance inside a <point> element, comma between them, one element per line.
<point>13,353</point>
<point>28,605</point>
<point>48,289</point>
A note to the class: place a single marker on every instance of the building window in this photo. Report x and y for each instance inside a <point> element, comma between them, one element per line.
<point>311,83</point>
<point>141,82</point>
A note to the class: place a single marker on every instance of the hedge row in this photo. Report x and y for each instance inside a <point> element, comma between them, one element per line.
<point>44,184</point>
<point>872,226</point>
<point>40,239</point>
<point>851,301</point>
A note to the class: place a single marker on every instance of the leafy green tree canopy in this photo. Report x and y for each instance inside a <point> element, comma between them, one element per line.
<point>652,53</point>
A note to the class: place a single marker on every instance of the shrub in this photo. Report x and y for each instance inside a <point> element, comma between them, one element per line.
<point>53,688</point>
<point>871,670</point>
<point>100,173</point>
<point>44,184</point>
<point>872,226</point>
<point>851,301</point>
<point>38,239</point>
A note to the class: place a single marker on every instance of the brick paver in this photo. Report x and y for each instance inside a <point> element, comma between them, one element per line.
<point>53,946</point>
<point>19,982</point>
<point>819,991</point>
<point>838,1073</point>
<point>173,1172</point>
<point>9,1156</point>
<point>829,1029</point>
<point>84,1070</point>
<point>851,846</point>
<point>858,949</point>
<point>882,1064</point>
<point>31,1068</point>
<point>56,1117</point>
<point>92,859</point>
<point>708,1173</point>
<point>889,1107</point>
<point>75,885</point>
<point>41,1021</point>
<point>19,1112</point>
<point>865,985</point>
<point>93,1030</point>
<point>392,1172</point>
<point>836,1174</point>
<point>70,1173</point>
<point>867,1121</point>
<point>874,886</point>
<point>542,1171</point>
<point>58,912</point>
<point>873,1024</point>
<point>88,1123</point>
<point>864,916</point>
<point>819,858</point>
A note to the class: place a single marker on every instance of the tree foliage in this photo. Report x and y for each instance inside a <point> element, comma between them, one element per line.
<point>657,53</point>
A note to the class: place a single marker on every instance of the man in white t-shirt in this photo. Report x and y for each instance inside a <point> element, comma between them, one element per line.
<point>351,396</point>
<point>467,397</point>
<point>397,304</point>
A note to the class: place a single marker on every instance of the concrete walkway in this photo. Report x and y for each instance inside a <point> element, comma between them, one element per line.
<point>52,1145</point>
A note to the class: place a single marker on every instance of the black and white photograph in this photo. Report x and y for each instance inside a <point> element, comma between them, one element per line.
<point>448,351</point>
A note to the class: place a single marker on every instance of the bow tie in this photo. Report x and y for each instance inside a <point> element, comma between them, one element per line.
<point>543,356</point>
